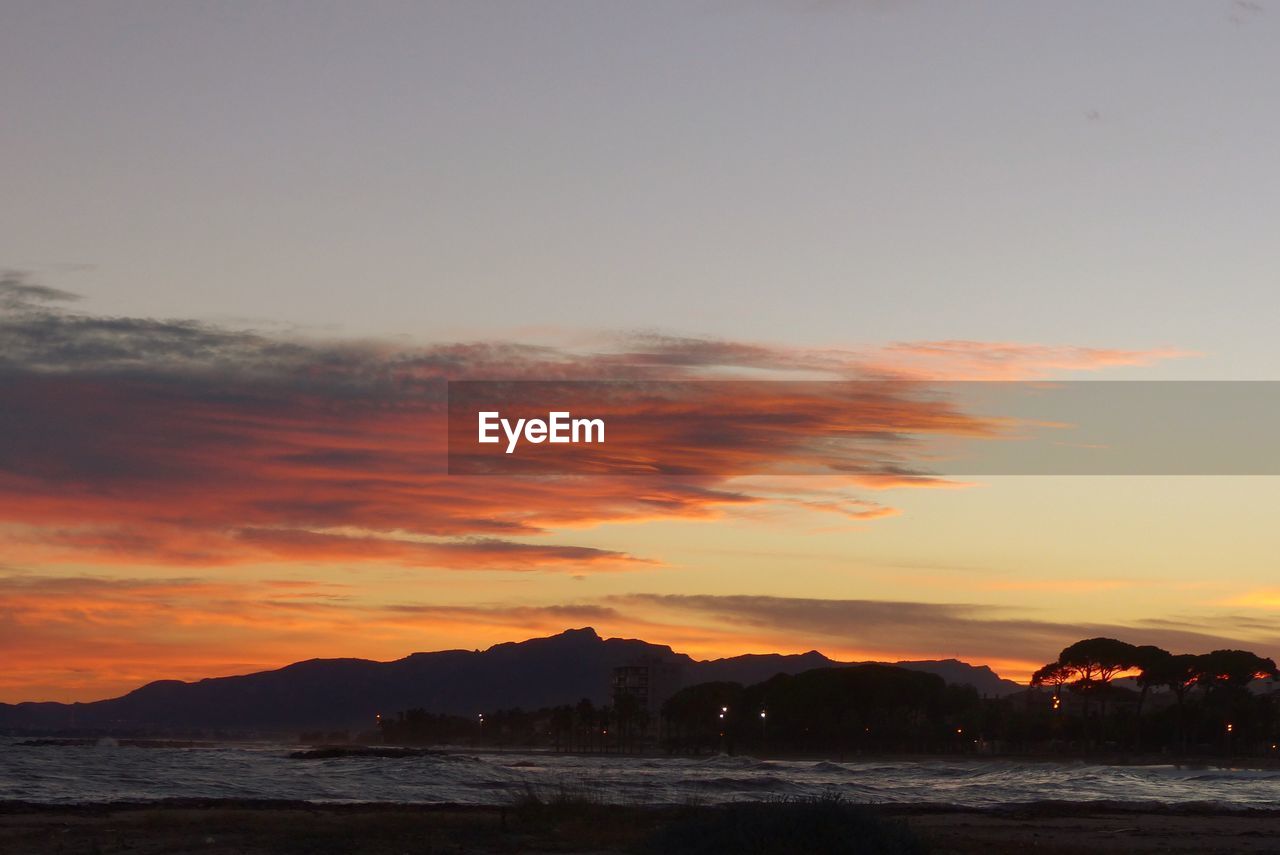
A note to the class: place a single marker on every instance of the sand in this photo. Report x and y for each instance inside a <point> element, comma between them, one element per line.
<point>228,827</point>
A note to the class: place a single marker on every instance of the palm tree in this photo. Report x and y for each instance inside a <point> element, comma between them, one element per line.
<point>562,725</point>
<point>627,712</point>
<point>586,713</point>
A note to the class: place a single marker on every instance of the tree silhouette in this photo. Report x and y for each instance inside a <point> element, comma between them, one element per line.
<point>1096,661</point>
<point>1233,668</point>
<point>1054,674</point>
<point>701,716</point>
<point>562,726</point>
<point>1225,676</point>
<point>630,717</point>
<point>875,708</point>
<point>586,715</point>
<point>1152,663</point>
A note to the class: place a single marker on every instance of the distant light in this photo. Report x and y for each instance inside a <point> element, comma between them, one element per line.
<point>1230,727</point>
<point>959,730</point>
<point>763,714</point>
<point>724,709</point>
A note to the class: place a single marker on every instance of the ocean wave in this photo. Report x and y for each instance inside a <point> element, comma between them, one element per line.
<point>71,773</point>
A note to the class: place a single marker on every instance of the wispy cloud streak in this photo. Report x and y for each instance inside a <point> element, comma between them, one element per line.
<point>139,441</point>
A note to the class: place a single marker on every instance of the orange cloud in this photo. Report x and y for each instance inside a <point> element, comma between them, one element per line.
<point>180,444</point>
<point>185,444</point>
<point>948,360</point>
<point>979,360</point>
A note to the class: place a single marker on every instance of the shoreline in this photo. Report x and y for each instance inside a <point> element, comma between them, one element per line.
<point>1189,761</point>
<point>1120,759</point>
<point>1038,807</point>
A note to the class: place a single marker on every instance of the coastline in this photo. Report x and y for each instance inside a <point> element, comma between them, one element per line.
<point>302,749</point>
<point>260,826</point>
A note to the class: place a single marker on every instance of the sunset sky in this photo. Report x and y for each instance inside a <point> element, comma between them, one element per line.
<point>248,244</point>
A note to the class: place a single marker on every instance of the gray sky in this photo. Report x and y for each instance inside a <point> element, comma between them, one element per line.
<point>1092,173</point>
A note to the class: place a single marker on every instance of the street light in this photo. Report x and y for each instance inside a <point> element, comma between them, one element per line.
<point>764,718</point>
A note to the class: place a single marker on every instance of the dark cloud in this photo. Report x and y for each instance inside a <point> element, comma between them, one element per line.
<point>18,293</point>
<point>556,616</point>
<point>980,631</point>
<point>471,552</point>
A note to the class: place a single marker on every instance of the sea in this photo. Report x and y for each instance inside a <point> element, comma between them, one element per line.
<point>110,772</point>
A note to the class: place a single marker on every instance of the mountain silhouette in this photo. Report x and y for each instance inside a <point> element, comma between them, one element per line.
<point>349,693</point>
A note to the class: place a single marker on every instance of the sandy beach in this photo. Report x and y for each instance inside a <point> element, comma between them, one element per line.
<point>227,827</point>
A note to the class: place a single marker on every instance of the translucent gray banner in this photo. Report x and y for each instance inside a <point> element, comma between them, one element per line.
<point>888,428</point>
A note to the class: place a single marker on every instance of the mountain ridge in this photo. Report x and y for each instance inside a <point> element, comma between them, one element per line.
<point>348,692</point>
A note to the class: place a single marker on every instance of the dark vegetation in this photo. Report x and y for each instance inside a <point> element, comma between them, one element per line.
<point>829,825</point>
<point>1100,696</point>
<point>1179,704</point>
<point>621,727</point>
<point>1205,701</point>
